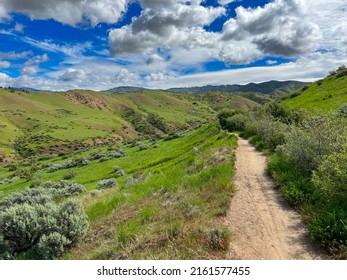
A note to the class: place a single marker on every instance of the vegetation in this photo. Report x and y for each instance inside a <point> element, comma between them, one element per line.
<point>164,201</point>
<point>308,156</point>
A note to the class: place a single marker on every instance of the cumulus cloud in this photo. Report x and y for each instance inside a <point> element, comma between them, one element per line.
<point>71,12</point>
<point>281,28</point>
<point>72,75</point>
<point>29,70</point>
<point>154,58</point>
<point>165,23</point>
<point>156,77</point>
<point>125,76</point>
<point>5,64</point>
<point>4,79</point>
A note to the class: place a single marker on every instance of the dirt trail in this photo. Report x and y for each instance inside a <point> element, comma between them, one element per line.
<point>262,223</point>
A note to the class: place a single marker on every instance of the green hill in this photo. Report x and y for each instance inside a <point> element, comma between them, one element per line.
<point>323,95</point>
<point>60,123</point>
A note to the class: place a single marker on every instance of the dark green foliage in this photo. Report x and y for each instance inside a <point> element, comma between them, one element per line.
<point>139,122</point>
<point>71,174</point>
<point>236,122</point>
<point>158,122</point>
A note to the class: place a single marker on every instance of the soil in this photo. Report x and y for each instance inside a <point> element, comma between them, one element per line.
<point>262,224</point>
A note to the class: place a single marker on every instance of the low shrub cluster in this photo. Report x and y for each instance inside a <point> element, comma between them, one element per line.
<point>107,183</point>
<point>68,164</point>
<point>33,225</point>
<point>64,188</point>
<point>9,180</point>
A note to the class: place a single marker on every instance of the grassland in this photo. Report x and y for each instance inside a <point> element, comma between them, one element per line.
<point>323,95</point>
<point>60,123</point>
<point>172,210</point>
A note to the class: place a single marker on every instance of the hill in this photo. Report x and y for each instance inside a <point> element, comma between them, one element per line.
<point>323,95</point>
<point>59,123</point>
<point>273,88</point>
<point>125,89</point>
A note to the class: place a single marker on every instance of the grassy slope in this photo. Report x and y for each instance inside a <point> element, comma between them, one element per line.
<point>170,215</point>
<point>42,114</point>
<point>329,95</point>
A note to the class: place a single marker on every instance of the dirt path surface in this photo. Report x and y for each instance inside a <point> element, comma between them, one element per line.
<point>262,223</point>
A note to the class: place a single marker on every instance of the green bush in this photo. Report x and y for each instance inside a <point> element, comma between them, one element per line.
<point>236,122</point>
<point>331,176</point>
<point>51,246</point>
<point>34,229</point>
<point>307,145</point>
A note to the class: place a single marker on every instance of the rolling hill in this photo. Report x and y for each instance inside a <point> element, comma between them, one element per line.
<point>58,123</point>
<point>323,95</point>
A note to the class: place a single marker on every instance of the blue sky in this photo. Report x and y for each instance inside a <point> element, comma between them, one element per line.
<point>100,44</point>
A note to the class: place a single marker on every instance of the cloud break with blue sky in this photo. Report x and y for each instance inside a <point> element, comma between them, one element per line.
<point>100,44</point>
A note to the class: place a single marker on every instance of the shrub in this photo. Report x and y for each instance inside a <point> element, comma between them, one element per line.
<point>116,168</point>
<point>331,176</point>
<point>107,183</point>
<point>307,145</point>
<point>120,173</point>
<point>51,246</point>
<point>218,239</point>
<point>103,159</point>
<point>71,174</point>
<point>143,147</point>
<point>41,231</point>
<point>28,196</point>
<point>65,188</point>
<point>236,122</point>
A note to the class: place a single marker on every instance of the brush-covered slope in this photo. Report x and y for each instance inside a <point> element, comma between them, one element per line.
<point>58,123</point>
<point>323,95</point>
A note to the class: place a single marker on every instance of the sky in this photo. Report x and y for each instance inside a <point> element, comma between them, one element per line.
<point>101,44</point>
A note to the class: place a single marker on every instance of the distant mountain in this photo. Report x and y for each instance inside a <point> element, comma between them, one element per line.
<point>274,88</point>
<point>124,89</point>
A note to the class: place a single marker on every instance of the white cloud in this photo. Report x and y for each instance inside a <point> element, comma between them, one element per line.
<point>5,64</point>
<point>19,27</point>
<point>226,2</point>
<point>154,58</point>
<point>37,59</point>
<point>125,76</point>
<point>14,55</point>
<point>4,79</point>
<point>271,62</point>
<point>72,75</point>
<point>67,49</point>
<point>29,70</point>
<point>280,28</point>
<point>156,77</point>
<point>71,12</point>
<point>165,23</point>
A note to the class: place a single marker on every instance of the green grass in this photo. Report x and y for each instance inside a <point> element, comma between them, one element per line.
<point>67,121</point>
<point>327,95</point>
<point>187,184</point>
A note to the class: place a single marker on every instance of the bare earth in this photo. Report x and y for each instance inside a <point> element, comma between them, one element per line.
<point>262,223</point>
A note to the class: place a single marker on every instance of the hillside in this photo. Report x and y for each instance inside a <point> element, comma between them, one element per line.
<point>273,88</point>
<point>164,199</point>
<point>323,95</point>
<point>59,123</point>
